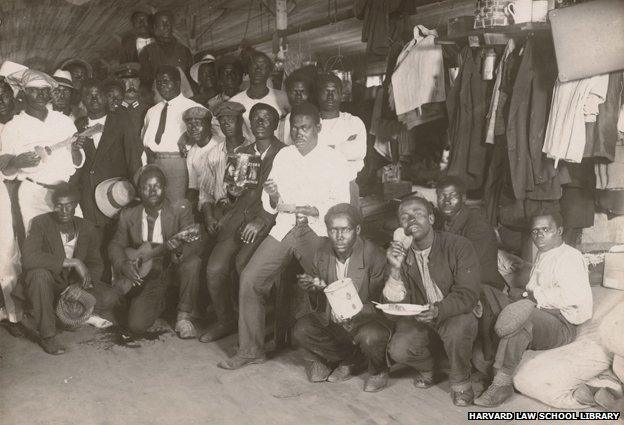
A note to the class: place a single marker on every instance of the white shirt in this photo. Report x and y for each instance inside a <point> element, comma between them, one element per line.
<point>559,280</point>
<point>275,98</point>
<point>319,179</point>
<point>97,136</point>
<point>24,132</point>
<point>174,125</point>
<point>157,236</point>
<point>196,161</point>
<point>341,269</point>
<point>69,244</point>
<point>142,42</point>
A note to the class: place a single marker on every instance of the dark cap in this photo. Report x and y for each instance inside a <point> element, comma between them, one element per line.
<point>229,108</point>
<point>128,70</point>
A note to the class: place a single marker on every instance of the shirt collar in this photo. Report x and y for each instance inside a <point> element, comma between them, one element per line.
<point>97,121</point>
<point>174,100</point>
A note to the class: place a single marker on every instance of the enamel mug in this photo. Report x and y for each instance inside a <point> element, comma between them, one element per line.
<point>520,11</point>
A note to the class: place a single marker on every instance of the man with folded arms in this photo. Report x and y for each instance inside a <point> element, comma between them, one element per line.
<point>440,270</point>
<point>339,345</point>
<point>557,299</point>
<point>305,181</point>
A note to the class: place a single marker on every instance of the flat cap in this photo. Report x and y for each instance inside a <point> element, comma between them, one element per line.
<point>128,70</point>
<point>196,112</point>
<point>229,108</point>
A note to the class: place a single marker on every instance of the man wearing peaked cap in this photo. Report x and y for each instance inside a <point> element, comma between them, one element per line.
<point>132,105</point>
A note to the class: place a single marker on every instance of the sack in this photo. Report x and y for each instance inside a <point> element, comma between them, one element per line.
<point>614,270</point>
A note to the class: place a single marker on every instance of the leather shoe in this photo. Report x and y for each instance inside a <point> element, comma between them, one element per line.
<point>237,361</point>
<point>52,346</point>
<point>462,398</point>
<point>377,382</point>
<point>317,371</point>
<point>424,380</point>
<point>494,396</point>
<point>217,332</point>
<point>341,373</point>
<point>185,329</point>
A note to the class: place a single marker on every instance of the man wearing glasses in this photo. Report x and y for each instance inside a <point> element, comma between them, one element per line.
<point>558,298</point>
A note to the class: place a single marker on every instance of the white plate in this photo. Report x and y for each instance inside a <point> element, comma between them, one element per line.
<point>402,309</point>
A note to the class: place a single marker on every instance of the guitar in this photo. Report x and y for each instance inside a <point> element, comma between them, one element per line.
<point>44,152</point>
<point>144,255</point>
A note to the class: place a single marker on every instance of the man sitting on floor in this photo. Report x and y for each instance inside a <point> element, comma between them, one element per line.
<point>155,221</point>
<point>440,270</point>
<point>60,250</point>
<point>558,298</point>
<point>339,345</point>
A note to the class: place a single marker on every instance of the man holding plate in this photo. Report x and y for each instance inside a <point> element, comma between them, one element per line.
<point>440,270</point>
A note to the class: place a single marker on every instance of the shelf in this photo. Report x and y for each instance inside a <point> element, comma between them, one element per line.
<point>497,35</point>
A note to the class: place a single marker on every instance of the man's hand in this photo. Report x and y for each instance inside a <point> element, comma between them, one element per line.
<point>251,230</point>
<point>25,160</point>
<point>78,143</point>
<point>307,210</point>
<point>515,294</point>
<point>428,315</point>
<point>82,270</point>
<point>270,187</point>
<point>212,225</point>
<point>183,148</point>
<point>309,283</point>
<point>395,254</point>
<point>173,244</point>
<point>130,271</point>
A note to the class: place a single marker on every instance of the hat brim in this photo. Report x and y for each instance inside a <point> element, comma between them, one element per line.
<point>104,200</point>
<point>194,71</point>
<point>84,63</point>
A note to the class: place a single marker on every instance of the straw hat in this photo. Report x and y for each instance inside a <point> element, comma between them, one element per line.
<point>7,68</point>
<point>75,306</point>
<point>113,194</point>
<point>195,68</point>
<point>64,78</point>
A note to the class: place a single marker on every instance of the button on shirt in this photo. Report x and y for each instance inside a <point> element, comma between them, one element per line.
<point>174,125</point>
<point>97,136</point>
<point>157,236</point>
<point>559,280</point>
<point>24,132</point>
<point>319,179</point>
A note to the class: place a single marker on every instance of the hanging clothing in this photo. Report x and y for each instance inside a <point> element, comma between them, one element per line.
<point>611,175</point>
<point>602,135</point>
<point>378,26</point>
<point>494,102</point>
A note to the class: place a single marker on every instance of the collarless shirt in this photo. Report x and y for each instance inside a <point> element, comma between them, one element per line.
<point>157,236</point>
<point>341,269</point>
<point>212,188</point>
<point>96,137</point>
<point>275,98</point>
<point>433,293</point>
<point>24,132</point>
<point>196,162</point>
<point>319,179</point>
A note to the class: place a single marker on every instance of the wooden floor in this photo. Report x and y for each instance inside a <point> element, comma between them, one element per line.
<point>170,381</point>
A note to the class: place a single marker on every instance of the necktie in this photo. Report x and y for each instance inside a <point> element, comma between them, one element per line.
<point>151,220</point>
<point>161,124</point>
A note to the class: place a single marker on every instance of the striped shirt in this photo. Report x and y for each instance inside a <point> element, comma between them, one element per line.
<point>212,188</point>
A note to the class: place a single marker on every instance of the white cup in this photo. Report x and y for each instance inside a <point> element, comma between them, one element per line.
<point>539,12</point>
<point>520,10</point>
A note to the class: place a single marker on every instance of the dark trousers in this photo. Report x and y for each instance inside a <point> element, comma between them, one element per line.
<point>258,278</point>
<point>335,344</point>
<point>42,291</point>
<point>105,234</point>
<point>410,344</point>
<point>147,302</point>
<point>545,329</point>
<point>218,273</point>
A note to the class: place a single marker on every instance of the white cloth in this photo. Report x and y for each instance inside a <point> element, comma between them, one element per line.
<point>10,261</point>
<point>559,280</point>
<point>174,125</point>
<point>418,78</point>
<point>196,160</point>
<point>565,134</point>
<point>319,179</point>
<point>97,136</point>
<point>275,98</point>
<point>24,132</point>
<point>142,42</point>
<point>157,236</point>
<point>341,269</point>
<point>69,244</point>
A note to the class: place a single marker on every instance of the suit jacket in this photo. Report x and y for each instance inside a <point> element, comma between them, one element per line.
<point>454,267</point>
<point>173,218</point>
<point>367,270</point>
<point>136,115</point>
<point>43,248</point>
<point>158,53</point>
<point>248,205</point>
<point>118,155</point>
<point>470,224</point>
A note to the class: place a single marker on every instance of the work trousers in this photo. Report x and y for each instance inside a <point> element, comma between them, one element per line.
<point>258,278</point>
<point>42,291</point>
<point>177,176</point>
<point>148,301</point>
<point>545,329</point>
<point>410,345</point>
<point>227,252</point>
<point>334,344</point>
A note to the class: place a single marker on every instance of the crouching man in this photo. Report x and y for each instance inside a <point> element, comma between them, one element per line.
<point>151,230</point>
<point>557,299</point>
<point>60,250</point>
<point>338,345</point>
<point>440,270</point>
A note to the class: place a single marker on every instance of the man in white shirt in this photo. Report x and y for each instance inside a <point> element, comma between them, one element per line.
<point>260,69</point>
<point>561,298</point>
<point>305,181</point>
<point>37,126</point>
<point>162,129</point>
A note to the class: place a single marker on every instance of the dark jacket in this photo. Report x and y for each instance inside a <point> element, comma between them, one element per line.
<point>367,270</point>
<point>472,225</point>
<point>248,205</point>
<point>173,218</point>
<point>156,54</point>
<point>454,267</point>
<point>118,155</point>
<point>135,113</point>
<point>43,248</point>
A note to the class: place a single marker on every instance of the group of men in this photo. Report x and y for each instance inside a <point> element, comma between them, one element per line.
<point>193,225</point>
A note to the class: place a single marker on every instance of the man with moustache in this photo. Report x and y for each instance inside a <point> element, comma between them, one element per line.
<point>162,130</point>
<point>439,270</point>
<point>244,226</point>
<point>135,41</point>
<point>260,69</point>
<point>298,91</point>
<point>305,181</point>
<point>132,105</point>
